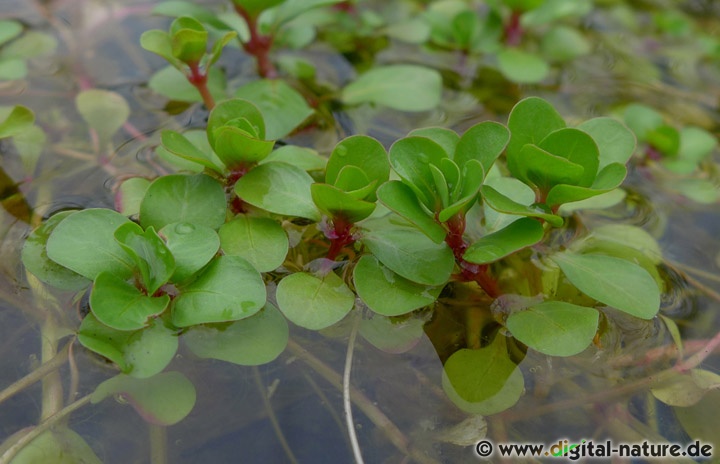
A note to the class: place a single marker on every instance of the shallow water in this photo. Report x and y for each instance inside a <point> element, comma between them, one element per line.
<point>243,414</point>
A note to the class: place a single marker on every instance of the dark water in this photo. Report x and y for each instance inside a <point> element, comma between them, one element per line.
<point>564,398</point>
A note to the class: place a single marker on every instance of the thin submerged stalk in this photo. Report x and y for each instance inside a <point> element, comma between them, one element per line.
<point>51,365</point>
<point>346,392</point>
<point>45,425</point>
<point>158,444</point>
<point>273,418</point>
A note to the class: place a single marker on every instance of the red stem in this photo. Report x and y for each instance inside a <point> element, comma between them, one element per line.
<point>340,236</point>
<point>198,78</point>
<point>513,29</point>
<point>469,272</point>
<point>258,46</point>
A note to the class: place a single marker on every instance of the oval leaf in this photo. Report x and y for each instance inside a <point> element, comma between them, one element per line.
<point>252,341</point>
<point>261,241</point>
<point>387,293</point>
<point>163,399</point>
<point>192,246</point>
<point>197,199</point>
<point>410,253</point>
<point>279,188</point>
<point>402,87</point>
<point>520,234</point>
<point>84,242</point>
<point>120,305</point>
<point>314,302</point>
<point>555,328</point>
<point>613,281</point>
<point>229,289</point>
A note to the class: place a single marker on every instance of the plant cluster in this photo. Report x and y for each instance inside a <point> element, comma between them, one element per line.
<point>209,254</point>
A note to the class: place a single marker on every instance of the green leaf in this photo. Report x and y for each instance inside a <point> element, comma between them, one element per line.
<point>229,289</point>
<point>401,87</point>
<point>686,389</point>
<point>542,169</point>
<point>173,84</point>
<point>120,305</point>
<point>314,302</point>
<point>103,110</point>
<point>36,261</point>
<point>164,399</point>
<point>520,234</point>
<point>483,381</point>
<point>334,202</point>
<point>290,9</point>
<point>408,252</point>
<point>192,246</point>
<point>238,149</point>
<point>411,158</point>
<point>131,193</point>
<point>158,42</point>
<point>140,353</point>
<point>665,138</point>
<point>261,241</point>
<point>354,181</point>
<point>17,121</point>
<point>609,178</point>
<point>698,420</point>
<point>446,138</point>
<point>699,190</point>
<point>188,39</point>
<point>282,107</point>
<point>612,281</point>
<point>555,328</point>
<point>30,45</point>
<point>615,141</point>
<point>401,199</point>
<point>563,43</point>
<point>629,236</point>
<point>483,142</point>
<point>642,119</point>
<point>252,341</point>
<point>390,335</point>
<point>218,47</point>
<point>503,204</point>
<point>304,158</point>
<point>148,251</point>
<point>59,445</point>
<point>522,67</point>
<point>279,188</point>
<point>387,293</point>
<point>84,242</point>
<point>514,190</point>
<point>12,69</point>
<point>360,151</point>
<point>179,145</point>
<point>197,199</point>
<point>530,121</point>
<point>9,29</point>
<point>254,7</point>
<point>696,144</point>
<point>233,110</point>
<point>575,146</point>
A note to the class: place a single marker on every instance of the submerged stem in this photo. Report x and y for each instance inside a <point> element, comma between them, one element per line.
<point>49,366</point>
<point>273,418</point>
<point>24,440</point>
<point>158,444</point>
<point>346,393</point>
